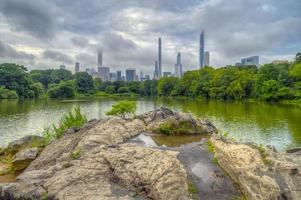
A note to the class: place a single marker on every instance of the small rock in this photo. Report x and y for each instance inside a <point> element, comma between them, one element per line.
<point>24,157</point>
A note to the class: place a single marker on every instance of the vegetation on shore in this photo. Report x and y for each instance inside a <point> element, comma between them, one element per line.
<point>123,108</point>
<point>270,82</point>
<point>73,119</point>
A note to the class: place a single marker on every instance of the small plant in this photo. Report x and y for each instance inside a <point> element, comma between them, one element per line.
<point>264,155</point>
<point>73,119</point>
<point>210,146</point>
<point>76,153</point>
<point>123,108</point>
<point>215,161</point>
<point>178,128</point>
<point>166,128</point>
<point>192,189</point>
<point>238,198</point>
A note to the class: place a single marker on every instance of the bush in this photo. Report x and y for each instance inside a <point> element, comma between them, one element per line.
<point>122,108</point>
<point>123,89</point>
<point>110,89</point>
<point>8,94</point>
<point>65,89</point>
<point>72,119</point>
<point>37,88</point>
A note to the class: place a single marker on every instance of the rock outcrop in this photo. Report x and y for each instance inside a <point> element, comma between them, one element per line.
<point>262,173</point>
<point>94,163</point>
<point>24,157</point>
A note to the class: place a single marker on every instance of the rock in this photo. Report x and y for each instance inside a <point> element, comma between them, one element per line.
<point>24,142</point>
<point>280,178</point>
<point>294,150</point>
<point>105,167</point>
<point>24,157</point>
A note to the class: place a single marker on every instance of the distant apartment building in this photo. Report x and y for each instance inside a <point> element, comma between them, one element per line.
<point>99,58</point>
<point>253,60</point>
<point>76,68</point>
<point>119,77</point>
<point>113,76</point>
<point>130,74</point>
<point>166,74</point>
<point>104,73</point>
<point>207,58</point>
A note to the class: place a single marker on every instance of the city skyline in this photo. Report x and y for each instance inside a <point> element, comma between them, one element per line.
<point>44,34</point>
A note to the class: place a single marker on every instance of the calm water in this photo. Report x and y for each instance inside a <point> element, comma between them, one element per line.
<point>275,124</point>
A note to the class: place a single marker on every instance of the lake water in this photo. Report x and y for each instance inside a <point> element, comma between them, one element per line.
<point>274,124</point>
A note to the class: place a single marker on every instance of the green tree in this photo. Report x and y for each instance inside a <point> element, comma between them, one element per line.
<point>58,75</point>
<point>166,86</point>
<point>65,89</point>
<point>84,82</point>
<point>110,89</point>
<point>37,88</point>
<point>149,87</point>
<point>295,71</point>
<point>123,108</point>
<point>123,89</point>
<point>7,94</point>
<point>97,83</point>
<point>298,57</point>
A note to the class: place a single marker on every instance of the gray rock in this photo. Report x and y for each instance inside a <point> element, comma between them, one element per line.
<point>24,157</point>
<point>23,142</point>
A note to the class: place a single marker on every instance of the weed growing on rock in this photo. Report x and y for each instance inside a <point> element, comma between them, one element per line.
<point>73,119</point>
<point>123,108</point>
<point>192,189</point>
<point>210,146</point>
<point>264,155</point>
<point>76,153</point>
<point>178,128</point>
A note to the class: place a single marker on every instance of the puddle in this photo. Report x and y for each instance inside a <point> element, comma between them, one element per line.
<point>176,141</point>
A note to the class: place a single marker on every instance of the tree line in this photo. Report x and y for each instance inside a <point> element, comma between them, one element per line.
<point>270,82</point>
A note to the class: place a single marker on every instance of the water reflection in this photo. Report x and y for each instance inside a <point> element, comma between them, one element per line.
<point>274,124</point>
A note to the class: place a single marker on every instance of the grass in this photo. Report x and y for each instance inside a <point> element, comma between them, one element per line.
<point>192,189</point>
<point>72,119</point>
<point>76,153</point>
<point>215,161</point>
<point>178,128</point>
<point>263,152</point>
<point>238,198</point>
<point>210,146</point>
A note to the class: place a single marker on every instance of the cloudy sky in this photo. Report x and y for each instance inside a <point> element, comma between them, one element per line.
<point>46,33</point>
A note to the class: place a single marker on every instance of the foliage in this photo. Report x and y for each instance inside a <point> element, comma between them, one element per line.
<point>7,94</point>
<point>76,153</point>
<point>72,119</point>
<point>110,89</point>
<point>263,152</point>
<point>192,188</point>
<point>64,89</point>
<point>122,108</point>
<point>166,85</point>
<point>84,82</point>
<point>295,71</point>
<point>177,128</point>
<point>210,146</point>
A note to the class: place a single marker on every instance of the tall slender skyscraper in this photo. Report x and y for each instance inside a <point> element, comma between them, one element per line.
<point>202,49</point>
<point>178,66</point>
<point>207,58</point>
<point>76,69</point>
<point>99,58</point>
<point>156,72</point>
<point>159,58</point>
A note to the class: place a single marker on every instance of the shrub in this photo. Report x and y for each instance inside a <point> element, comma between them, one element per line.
<point>178,128</point>
<point>123,89</point>
<point>8,94</point>
<point>122,108</point>
<point>65,89</point>
<point>72,119</point>
<point>110,89</point>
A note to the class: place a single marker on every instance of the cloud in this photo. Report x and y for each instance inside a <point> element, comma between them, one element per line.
<point>80,41</point>
<point>31,16</point>
<point>57,56</point>
<point>8,52</point>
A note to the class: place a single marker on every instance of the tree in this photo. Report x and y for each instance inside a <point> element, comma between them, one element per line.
<point>166,86</point>
<point>7,94</point>
<point>97,83</point>
<point>295,71</point>
<point>84,82</point>
<point>110,89</point>
<point>14,77</point>
<point>37,88</point>
<point>298,57</point>
<point>65,89</point>
<point>58,75</point>
<point>123,108</point>
<point>123,89</point>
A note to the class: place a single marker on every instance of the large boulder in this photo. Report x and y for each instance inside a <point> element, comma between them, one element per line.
<point>94,163</point>
<point>262,173</point>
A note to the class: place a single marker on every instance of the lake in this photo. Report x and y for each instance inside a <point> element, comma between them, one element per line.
<point>274,124</point>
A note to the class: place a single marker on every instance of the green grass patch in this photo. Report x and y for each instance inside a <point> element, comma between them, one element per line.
<point>72,119</point>
<point>263,152</point>
<point>76,153</point>
<point>215,161</point>
<point>210,146</point>
<point>238,198</point>
<point>182,127</point>
<point>192,189</point>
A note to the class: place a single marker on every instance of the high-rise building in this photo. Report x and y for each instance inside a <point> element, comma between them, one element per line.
<point>156,72</point>
<point>166,74</point>
<point>130,74</point>
<point>253,60</point>
<point>119,78</point>
<point>113,76</point>
<point>99,59</point>
<point>76,68</point>
<point>178,66</point>
<point>104,73</point>
<point>141,75</point>
<point>207,58</point>
<point>201,49</point>
<point>159,58</point>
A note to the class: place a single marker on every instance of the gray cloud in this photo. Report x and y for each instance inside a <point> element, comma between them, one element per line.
<point>32,16</point>
<point>57,56</point>
<point>8,52</point>
<point>80,41</point>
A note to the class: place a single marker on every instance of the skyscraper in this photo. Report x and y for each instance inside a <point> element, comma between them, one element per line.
<point>130,74</point>
<point>119,76</point>
<point>201,49</point>
<point>207,58</point>
<point>104,73</point>
<point>76,69</point>
<point>178,66</point>
<point>253,60</point>
<point>156,72</point>
<point>99,59</point>
<point>159,58</point>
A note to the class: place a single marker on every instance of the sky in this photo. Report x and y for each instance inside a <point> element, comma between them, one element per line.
<point>42,34</point>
